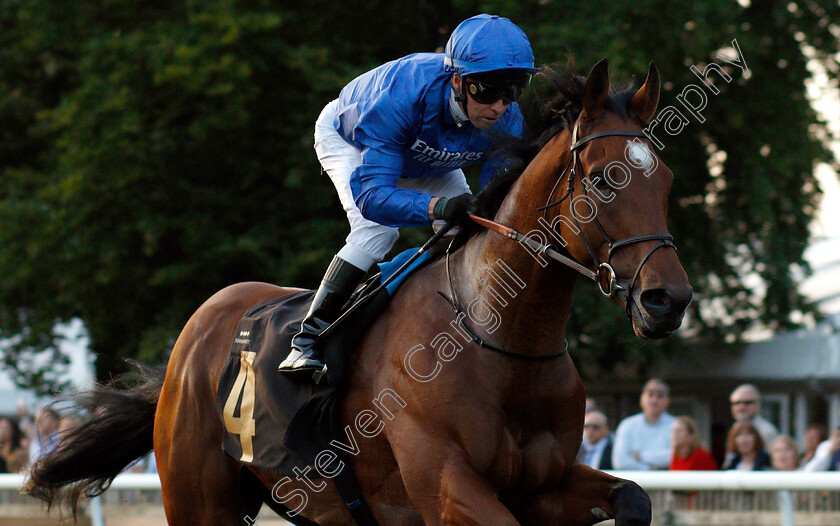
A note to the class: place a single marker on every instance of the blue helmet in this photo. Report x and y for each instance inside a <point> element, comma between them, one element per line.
<point>487,43</point>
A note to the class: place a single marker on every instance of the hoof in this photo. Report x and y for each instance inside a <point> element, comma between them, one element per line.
<point>632,505</point>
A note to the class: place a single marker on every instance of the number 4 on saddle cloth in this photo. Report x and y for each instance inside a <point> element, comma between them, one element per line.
<point>277,424</point>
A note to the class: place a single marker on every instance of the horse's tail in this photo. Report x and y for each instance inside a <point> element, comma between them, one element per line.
<point>117,431</point>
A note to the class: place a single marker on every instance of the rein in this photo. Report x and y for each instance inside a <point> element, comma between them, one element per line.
<point>541,248</point>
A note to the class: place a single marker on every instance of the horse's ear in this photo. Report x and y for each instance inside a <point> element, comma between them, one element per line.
<point>596,90</point>
<point>645,101</point>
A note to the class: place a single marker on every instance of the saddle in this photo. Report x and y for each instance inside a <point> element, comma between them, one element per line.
<point>264,412</point>
<point>279,425</point>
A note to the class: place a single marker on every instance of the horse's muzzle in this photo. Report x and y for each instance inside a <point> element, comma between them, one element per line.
<point>656,313</point>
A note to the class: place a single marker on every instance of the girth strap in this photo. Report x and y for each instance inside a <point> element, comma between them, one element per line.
<point>350,492</point>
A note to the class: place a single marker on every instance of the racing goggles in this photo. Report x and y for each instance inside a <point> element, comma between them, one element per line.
<point>488,93</point>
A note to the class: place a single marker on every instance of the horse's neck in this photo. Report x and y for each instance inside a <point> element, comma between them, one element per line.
<point>531,299</point>
<point>510,299</point>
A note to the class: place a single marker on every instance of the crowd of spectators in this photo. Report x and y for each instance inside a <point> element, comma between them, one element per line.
<point>650,439</point>
<point>656,440</point>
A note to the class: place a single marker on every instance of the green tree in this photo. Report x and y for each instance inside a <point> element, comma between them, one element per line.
<point>159,152</point>
<point>744,193</point>
<point>152,153</point>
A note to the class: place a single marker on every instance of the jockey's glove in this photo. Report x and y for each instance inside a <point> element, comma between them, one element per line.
<point>455,209</point>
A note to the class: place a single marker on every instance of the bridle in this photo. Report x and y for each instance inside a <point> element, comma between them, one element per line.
<point>604,273</point>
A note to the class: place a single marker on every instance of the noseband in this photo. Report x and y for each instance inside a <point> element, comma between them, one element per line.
<point>604,273</point>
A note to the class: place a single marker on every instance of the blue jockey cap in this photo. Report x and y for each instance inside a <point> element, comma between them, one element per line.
<point>486,43</point>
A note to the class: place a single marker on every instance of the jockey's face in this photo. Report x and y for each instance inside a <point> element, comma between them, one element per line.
<point>482,116</point>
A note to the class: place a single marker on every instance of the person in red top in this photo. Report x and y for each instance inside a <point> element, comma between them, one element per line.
<point>688,453</point>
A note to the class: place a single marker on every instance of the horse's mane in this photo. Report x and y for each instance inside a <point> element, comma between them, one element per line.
<point>552,103</point>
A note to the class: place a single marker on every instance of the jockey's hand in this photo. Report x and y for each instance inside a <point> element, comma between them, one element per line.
<point>455,209</point>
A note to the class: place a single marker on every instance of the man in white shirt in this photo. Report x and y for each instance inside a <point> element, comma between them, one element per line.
<point>822,456</point>
<point>643,441</point>
<point>596,448</point>
<point>746,405</point>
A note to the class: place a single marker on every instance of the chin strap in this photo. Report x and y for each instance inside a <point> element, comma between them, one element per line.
<point>458,105</point>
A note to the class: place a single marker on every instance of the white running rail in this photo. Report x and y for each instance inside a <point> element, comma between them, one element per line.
<point>649,480</point>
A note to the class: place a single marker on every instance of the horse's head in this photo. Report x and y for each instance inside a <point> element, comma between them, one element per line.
<point>605,193</point>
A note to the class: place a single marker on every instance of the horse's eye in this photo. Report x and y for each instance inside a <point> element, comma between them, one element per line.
<point>598,180</point>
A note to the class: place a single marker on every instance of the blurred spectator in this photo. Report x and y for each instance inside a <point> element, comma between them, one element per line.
<point>643,441</point>
<point>591,405</point>
<point>824,453</point>
<point>27,427</point>
<point>784,454</point>
<point>834,463</point>
<point>745,449</point>
<point>66,425</point>
<point>815,434</point>
<point>597,443</point>
<point>46,433</point>
<point>746,405</point>
<point>12,453</point>
<point>689,454</point>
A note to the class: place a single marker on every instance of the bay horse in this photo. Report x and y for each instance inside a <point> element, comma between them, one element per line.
<point>480,405</point>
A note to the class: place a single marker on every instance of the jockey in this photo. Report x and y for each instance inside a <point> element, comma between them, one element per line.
<point>394,143</point>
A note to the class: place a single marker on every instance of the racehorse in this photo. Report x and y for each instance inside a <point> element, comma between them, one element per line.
<point>480,405</point>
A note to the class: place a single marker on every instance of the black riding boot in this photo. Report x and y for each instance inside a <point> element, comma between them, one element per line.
<point>306,359</point>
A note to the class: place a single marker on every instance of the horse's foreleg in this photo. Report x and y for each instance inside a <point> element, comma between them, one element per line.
<point>588,496</point>
<point>443,486</point>
<point>468,498</point>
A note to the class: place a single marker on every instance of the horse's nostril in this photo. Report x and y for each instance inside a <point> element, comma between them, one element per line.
<point>657,302</point>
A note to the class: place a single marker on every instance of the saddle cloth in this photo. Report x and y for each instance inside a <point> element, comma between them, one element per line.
<point>274,423</point>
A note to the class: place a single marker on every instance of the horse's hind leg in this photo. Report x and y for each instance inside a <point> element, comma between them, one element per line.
<point>588,496</point>
<point>201,485</point>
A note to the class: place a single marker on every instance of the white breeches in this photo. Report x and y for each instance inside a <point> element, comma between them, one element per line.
<point>368,242</point>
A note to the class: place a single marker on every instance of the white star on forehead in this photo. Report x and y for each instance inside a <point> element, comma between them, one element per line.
<point>639,155</point>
